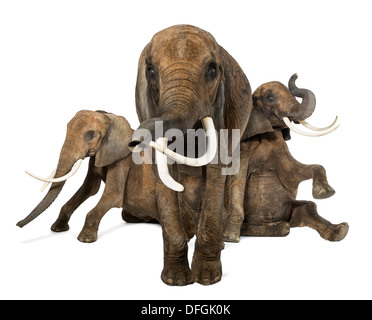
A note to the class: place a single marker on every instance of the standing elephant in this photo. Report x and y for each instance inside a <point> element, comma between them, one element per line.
<point>184,79</point>
<point>104,138</point>
<point>263,195</point>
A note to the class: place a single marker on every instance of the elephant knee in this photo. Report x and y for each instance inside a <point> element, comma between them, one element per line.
<point>319,169</point>
<point>302,212</point>
<point>175,243</point>
<point>311,208</point>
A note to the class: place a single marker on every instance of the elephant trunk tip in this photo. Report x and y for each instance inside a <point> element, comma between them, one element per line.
<point>44,204</point>
<point>292,80</point>
<point>134,143</point>
<point>144,134</point>
<point>21,224</point>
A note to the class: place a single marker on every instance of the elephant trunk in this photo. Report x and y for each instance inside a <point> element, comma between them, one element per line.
<point>307,107</point>
<point>304,110</point>
<point>44,204</point>
<point>65,163</point>
<point>154,128</point>
<point>181,107</point>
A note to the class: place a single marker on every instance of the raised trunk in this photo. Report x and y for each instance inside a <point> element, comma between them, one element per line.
<point>307,107</point>
<point>65,164</point>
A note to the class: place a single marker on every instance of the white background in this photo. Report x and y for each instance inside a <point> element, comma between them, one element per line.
<point>57,57</point>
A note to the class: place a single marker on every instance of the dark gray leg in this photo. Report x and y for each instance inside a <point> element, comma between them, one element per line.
<point>305,214</point>
<point>89,188</point>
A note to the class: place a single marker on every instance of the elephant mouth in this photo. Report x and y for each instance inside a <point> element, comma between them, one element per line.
<point>162,152</point>
<point>211,147</point>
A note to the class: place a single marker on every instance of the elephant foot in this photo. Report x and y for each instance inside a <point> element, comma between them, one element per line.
<point>323,191</point>
<point>177,274</point>
<point>87,236</point>
<point>60,226</point>
<point>335,232</point>
<point>232,233</point>
<point>205,270</point>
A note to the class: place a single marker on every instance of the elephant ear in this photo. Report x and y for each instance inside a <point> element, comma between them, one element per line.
<point>115,144</point>
<point>258,123</point>
<point>238,95</point>
<point>239,112</point>
<point>144,100</point>
<point>218,107</point>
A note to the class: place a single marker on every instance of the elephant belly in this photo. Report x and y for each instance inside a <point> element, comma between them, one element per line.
<point>266,201</point>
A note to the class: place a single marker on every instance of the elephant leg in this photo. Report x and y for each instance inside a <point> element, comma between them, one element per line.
<point>112,197</point>
<point>189,201</point>
<point>89,188</point>
<point>235,203</point>
<point>206,263</point>
<point>294,172</point>
<point>176,271</point>
<point>305,214</point>
<point>321,188</point>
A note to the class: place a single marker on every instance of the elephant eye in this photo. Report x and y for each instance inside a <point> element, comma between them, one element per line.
<point>151,72</point>
<point>89,135</point>
<point>270,98</point>
<point>211,72</point>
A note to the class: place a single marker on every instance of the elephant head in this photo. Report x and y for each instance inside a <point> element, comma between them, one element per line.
<point>89,134</point>
<point>186,79</point>
<point>278,104</point>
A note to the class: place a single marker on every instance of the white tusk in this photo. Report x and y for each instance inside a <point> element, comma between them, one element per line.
<point>304,133</point>
<point>311,127</point>
<point>161,162</point>
<point>64,178</point>
<point>47,183</point>
<point>207,157</point>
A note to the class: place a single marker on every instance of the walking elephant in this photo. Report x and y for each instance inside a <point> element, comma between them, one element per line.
<point>186,80</point>
<point>104,138</point>
<point>263,195</point>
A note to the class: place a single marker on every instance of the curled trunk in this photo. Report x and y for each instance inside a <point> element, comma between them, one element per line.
<point>151,129</point>
<point>306,108</point>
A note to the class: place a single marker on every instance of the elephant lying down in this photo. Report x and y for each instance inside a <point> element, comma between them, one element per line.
<point>263,194</point>
<point>104,138</point>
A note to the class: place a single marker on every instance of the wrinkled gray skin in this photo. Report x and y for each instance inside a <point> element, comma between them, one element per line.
<point>262,196</point>
<point>104,138</point>
<point>184,76</point>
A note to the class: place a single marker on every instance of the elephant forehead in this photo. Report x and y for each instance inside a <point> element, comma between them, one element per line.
<point>275,86</point>
<point>84,119</point>
<point>183,43</point>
